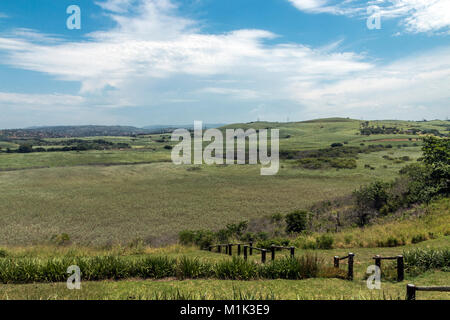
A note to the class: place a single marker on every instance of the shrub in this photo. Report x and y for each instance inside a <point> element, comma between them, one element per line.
<point>343,163</point>
<point>421,260</point>
<point>266,244</point>
<point>275,218</point>
<point>236,269</point>
<point>201,238</point>
<point>60,239</point>
<point>336,145</point>
<point>418,238</point>
<point>296,221</point>
<point>325,241</point>
<point>189,268</point>
<point>306,266</point>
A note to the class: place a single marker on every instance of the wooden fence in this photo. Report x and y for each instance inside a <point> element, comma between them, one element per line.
<point>400,265</point>
<point>351,259</point>
<point>248,250</point>
<point>412,289</point>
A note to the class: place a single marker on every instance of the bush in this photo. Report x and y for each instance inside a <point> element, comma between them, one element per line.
<point>266,244</point>
<point>236,269</point>
<point>336,145</point>
<point>201,238</point>
<point>418,238</point>
<point>296,221</point>
<point>421,260</point>
<point>192,269</point>
<point>325,241</point>
<point>60,239</point>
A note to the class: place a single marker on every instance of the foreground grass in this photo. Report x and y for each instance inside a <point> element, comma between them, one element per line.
<point>309,289</point>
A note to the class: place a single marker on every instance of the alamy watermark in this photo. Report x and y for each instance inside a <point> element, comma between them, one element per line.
<point>236,151</point>
<point>74,280</point>
<point>374,19</point>
<point>74,20</point>
<point>374,280</point>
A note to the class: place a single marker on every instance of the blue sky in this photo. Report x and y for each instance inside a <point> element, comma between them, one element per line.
<point>141,62</point>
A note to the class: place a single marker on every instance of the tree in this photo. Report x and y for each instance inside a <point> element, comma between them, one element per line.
<point>436,156</point>
<point>25,148</point>
<point>296,221</point>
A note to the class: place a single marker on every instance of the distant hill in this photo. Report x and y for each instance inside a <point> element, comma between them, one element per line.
<point>170,128</point>
<point>72,131</point>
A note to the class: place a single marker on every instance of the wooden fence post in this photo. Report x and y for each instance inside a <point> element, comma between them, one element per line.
<point>350,265</point>
<point>245,252</point>
<point>209,248</point>
<point>219,248</point>
<point>239,249</point>
<point>378,261</point>
<point>410,292</point>
<point>230,249</point>
<point>251,248</point>
<point>336,262</point>
<point>226,249</point>
<point>263,255</point>
<point>292,252</point>
<point>400,268</point>
<point>272,248</point>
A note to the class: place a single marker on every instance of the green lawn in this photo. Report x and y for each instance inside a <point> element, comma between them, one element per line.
<point>309,289</point>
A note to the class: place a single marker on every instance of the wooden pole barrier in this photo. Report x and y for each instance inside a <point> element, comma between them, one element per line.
<point>272,248</point>
<point>219,248</point>
<point>410,292</point>
<point>210,248</point>
<point>263,255</point>
<point>245,252</point>
<point>351,257</point>
<point>251,248</point>
<point>239,249</point>
<point>226,249</point>
<point>230,249</point>
<point>336,262</point>
<point>378,261</point>
<point>292,252</point>
<point>400,268</point>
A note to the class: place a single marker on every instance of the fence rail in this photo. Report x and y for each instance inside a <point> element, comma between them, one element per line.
<point>400,265</point>
<point>412,289</point>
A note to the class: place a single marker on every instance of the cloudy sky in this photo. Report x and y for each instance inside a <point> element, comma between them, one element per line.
<point>142,62</point>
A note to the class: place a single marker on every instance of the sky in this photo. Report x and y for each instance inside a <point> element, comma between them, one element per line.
<point>146,62</point>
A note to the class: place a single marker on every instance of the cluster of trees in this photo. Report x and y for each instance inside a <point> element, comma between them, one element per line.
<point>71,145</point>
<point>418,183</point>
<point>368,130</point>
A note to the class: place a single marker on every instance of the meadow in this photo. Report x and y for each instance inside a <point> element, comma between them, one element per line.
<point>132,203</point>
<point>106,197</point>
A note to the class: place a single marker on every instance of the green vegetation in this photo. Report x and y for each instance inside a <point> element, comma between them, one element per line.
<point>107,203</point>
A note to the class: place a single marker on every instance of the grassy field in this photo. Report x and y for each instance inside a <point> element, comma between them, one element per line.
<point>134,202</point>
<point>106,197</point>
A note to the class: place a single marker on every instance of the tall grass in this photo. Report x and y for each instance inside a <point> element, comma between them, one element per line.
<point>29,270</point>
<point>421,260</point>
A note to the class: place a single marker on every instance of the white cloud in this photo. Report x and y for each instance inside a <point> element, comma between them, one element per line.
<point>408,85</point>
<point>40,101</point>
<point>415,15</point>
<point>154,57</point>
